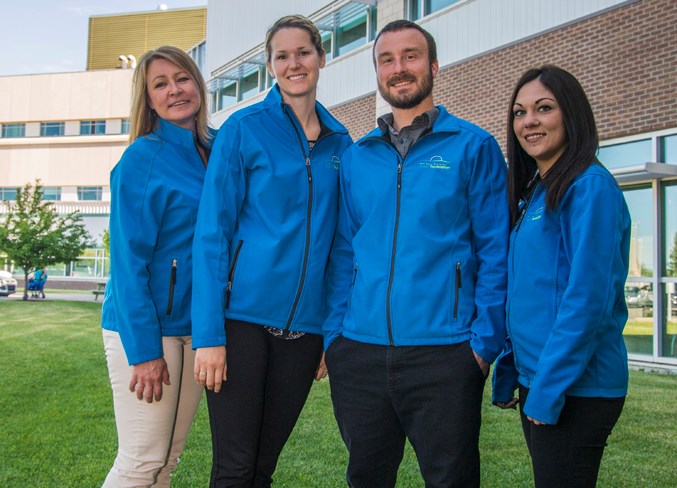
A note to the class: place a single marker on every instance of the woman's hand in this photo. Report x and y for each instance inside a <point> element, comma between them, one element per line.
<point>321,370</point>
<point>535,422</point>
<point>147,379</point>
<point>210,367</point>
<point>511,404</point>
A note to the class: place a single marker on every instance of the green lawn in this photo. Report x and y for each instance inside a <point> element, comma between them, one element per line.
<point>57,427</point>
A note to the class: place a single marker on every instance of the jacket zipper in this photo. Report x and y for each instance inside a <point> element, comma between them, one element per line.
<point>231,273</point>
<point>172,283</point>
<point>309,213</point>
<point>393,252</point>
<point>458,287</point>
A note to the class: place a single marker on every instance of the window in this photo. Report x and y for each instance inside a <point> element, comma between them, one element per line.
<point>669,149</point>
<point>48,129</point>
<point>668,333</point>
<point>421,8</point>
<point>198,53</point>
<point>13,130</point>
<point>91,127</point>
<point>51,193</point>
<point>348,28</point>
<point>344,30</point>
<point>626,154</point>
<point>89,192</point>
<point>8,194</point>
<point>124,128</point>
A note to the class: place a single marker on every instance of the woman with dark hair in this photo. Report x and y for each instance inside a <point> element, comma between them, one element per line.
<point>567,266</point>
<point>265,226</point>
<point>155,191</point>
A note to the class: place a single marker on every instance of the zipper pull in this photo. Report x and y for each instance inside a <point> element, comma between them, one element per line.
<point>174,263</point>
<point>458,275</point>
<point>310,176</point>
<point>399,175</point>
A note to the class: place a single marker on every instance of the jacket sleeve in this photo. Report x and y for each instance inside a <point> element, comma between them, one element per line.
<point>489,222</point>
<point>592,219</point>
<point>504,380</point>
<point>137,207</point>
<point>341,259</point>
<point>222,197</point>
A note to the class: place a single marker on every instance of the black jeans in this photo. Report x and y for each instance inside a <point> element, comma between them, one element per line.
<point>253,415</point>
<point>569,453</point>
<point>430,394</point>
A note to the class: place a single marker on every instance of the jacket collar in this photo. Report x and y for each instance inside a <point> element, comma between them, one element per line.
<point>276,105</point>
<point>445,122</point>
<point>174,134</point>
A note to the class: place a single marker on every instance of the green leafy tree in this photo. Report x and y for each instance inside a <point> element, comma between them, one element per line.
<point>33,234</point>
<point>672,258</point>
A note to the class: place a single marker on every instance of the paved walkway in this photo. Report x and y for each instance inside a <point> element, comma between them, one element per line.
<point>69,297</point>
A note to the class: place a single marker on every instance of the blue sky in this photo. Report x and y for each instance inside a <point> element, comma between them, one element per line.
<point>50,36</point>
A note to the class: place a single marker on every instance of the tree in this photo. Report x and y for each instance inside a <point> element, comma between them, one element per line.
<point>33,234</point>
<point>672,258</point>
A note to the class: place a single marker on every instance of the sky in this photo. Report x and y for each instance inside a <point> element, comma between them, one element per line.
<point>50,36</point>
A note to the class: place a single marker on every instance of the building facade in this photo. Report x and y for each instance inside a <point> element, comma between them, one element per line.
<point>623,52</point>
<point>69,129</point>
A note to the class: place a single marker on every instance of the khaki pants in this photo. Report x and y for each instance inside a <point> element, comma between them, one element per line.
<point>151,436</point>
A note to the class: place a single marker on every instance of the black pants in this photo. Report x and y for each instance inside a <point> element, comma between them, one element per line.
<point>253,415</point>
<point>569,454</point>
<point>430,394</point>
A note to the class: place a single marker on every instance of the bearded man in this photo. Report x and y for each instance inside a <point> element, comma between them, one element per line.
<point>417,278</point>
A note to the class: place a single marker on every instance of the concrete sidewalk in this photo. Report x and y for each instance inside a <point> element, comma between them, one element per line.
<point>65,297</point>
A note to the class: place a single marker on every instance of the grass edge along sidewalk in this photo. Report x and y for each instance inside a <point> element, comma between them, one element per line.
<point>57,425</point>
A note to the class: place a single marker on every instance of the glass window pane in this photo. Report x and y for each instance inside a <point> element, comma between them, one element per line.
<point>435,5</point>
<point>670,149</point>
<point>51,193</point>
<point>641,239</point>
<point>89,192</point>
<point>249,85</point>
<point>124,128</point>
<point>638,332</point>
<point>326,44</point>
<point>8,194</point>
<point>670,212</point>
<point>351,32</point>
<point>91,127</point>
<point>227,96</point>
<point>627,154</point>
<point>48,129</point>
<point>414,10</point>
<point>669,332</point>
<point>13,130</point>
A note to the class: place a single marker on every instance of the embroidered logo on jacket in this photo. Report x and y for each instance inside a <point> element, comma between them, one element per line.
<point>435,162</point>
<point>333,163</point>
<point>537,214</point>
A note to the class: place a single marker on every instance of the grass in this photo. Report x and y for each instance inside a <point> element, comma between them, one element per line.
<point>57,426</point>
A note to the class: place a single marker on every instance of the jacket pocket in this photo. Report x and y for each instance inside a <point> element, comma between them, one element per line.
<point>231,272</point>
<point>457,287</point>
<point>172,284</point>
<point>352,286</point>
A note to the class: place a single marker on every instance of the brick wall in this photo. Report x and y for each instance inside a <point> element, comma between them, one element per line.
<point>626,59</point>
<point>359,116</point>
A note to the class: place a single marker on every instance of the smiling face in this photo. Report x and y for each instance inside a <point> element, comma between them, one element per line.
<point>295,63</point>
<point>403,69</point>
<point>172,93</point>
<point>539,125</point>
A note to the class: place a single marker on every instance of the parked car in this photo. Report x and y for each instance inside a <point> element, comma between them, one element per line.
<point>637,297</point>
<point>7,284</point>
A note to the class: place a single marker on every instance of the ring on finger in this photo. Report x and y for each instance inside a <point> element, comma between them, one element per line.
<point>202,373</point>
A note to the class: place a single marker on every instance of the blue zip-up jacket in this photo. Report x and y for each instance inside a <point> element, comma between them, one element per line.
<point>420,253</point>
<point>566,305</point>
<point>266,221</point>
<point>155,192</point>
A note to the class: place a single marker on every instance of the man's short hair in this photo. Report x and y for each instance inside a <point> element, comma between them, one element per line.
<point>398,25</point>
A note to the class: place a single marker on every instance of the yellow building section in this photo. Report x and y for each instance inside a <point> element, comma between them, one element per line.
<point>111,36</point>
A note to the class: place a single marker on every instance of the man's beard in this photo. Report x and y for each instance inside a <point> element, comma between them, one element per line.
<point>407,101</point>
